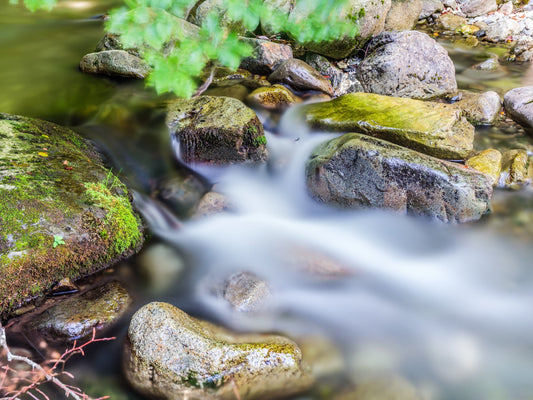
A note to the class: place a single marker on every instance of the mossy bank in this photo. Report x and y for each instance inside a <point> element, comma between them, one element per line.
<point>62,213</point>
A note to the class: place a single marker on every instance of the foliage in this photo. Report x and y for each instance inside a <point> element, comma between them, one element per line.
<point>179,57</point>
<point>58,240</point>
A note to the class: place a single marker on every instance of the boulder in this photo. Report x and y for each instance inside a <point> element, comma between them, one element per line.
<point>489,162</point>
<point>407,64</point>
<point>480,108</point>
<point>475,8</point>
<point>502,29</point>
<point>300,76</point>
<point>518,103</point>
<point>403,15</point>
<point>170,355</point>
<point>115,63</point>
<point>61,212</point>
<point>355,170</point>
<point>432,128</point>
<point>77,316</point>
<point>216,130</point>
<point>266,56</point>
<point>275,97</point>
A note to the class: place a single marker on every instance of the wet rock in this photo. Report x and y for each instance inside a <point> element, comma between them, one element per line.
<point>300,76</point>
<point>181,193</point>
<point>491,64</point>
<point>170,355</point>
<point>342,82</point>
<point>359,171</point>
<point>115,63</point>
<point>216,130</point>
<point>61,212</point>
<point>480,108</point>
<point>112,41</point>
<point>76,316</point>
<point>161,266</point>
<point>407,64</point>
<point>403,15</point>
<point>451,22</point>
<point>515,169</point>
<point>238,91</point>
<point>275,97</point>
<point>370,20</point>
<point>266,56</point>
<point>474,8</point>
<point>489,162</point>
<point>518,103</point>
<point>64,286</point>
<point>432,128</point>
<point>430,7</point>
<point>245,291</point>
<point>212,203</point>
<point>381,388</point>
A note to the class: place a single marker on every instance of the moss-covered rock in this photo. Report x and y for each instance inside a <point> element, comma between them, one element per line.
<point>355,170</point>
<point>170,355</point>
<point>76,316</point>
<point>516,169</point>
<point>62,214</point>
<point>489,162</point>
<point>432,128</point>
<point>216,130</point>
<point>275,97</point>
<point>115,63</point>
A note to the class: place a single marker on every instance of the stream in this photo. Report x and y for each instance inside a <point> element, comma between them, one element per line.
<point>446,307</point>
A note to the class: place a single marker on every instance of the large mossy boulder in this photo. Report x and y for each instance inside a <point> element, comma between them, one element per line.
<point>62,214</point>
<point>432,128</point>
<point>170,355</point>
<point>355,170</point>
<point>216,130</point>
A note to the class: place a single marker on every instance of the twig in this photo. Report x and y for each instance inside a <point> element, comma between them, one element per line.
<point>203,87</point>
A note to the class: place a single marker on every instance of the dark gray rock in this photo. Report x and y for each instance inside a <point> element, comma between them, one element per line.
<point>170,355</point>
<point>407,64</point>
<point>360,171</point>
<point>518,103</point>
<point>115,63</point>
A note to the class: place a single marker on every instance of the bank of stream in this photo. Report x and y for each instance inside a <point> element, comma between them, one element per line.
<point>447,307</point>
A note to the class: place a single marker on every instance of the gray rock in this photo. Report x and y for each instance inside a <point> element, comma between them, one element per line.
<point>432,128</point>
<point>407,64</point>
<point>518,103</point>
<point>359,171</point>
<point>266,56</point>
<point>245,291</point>
<point>115,63</point>
<point>523,49</point>
<point>342,82</point>
<point>403,15</point>
<point>181,193</point>
<point>502,29</point>
<point>216,130</point>
<point>430,7</point>
<point>480,108</point>
<point>301,76</point>
<point>474,8</point>
<point>77,316</point>
<point>170,355</point>
<point>490,64</point>
<point>62,213</point>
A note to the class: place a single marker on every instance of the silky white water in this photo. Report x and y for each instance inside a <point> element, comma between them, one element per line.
<point>447,307</point>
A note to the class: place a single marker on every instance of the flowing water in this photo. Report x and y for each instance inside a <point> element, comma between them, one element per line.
<point>447,307</point>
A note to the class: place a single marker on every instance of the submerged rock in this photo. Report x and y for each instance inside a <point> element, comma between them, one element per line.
<point>245,291</point>
<point>76,316</point>
<point>407,64</point>
<point>115,63</point>
<point>359,171</point>
<point>170,355</point>
<point>518,103</point>
<point>216,130</point>
<point>432,128</point>
<point>61,212</point>
<point>300,76</point>
<point>212,203</point>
